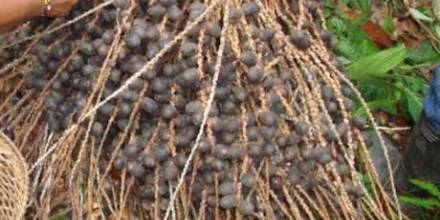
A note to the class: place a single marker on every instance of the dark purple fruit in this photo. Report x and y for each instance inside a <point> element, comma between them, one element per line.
<point>226,188</point>
<point>268,132</point>
<point>269,149</point>
<point>213,29</point>
<point>268,118</point>
<point>359,122</point>
<point>133,41</point>
<point>168,112</point>
<point>307,166</point>
<point>167,3</point>
<point>108,36</point>
<point>120,163</point>
<point>160,85</point>
<point>246,208</point>
<point>97,129</point>
<point>152,50</point>
<point>327,38</point>
<point>86,49</point>
<point>188,49</point>
<point>149,161</point>
<point>146,192</point>
<point>248,180</point>
<point>175,13</point>
<point>349,104</point>
<point>248,58</point>
<point>149,105</point>
<point>156,11</point>
<point>343,170</point>
<point>293,176</point>
<point>171,172</point>
<point>250,8</point>
<point>235,14</point>
<point>181,159</point>
<point>161,153</point>
<point>267,34</point>
<point>307,153</point>
<point>332,107</point>
<point>131,150</point>
<point>188,78</point>
<point>324,158</point>
<point>255,74</point>
<point>300,39</point>
<point>136,169</point>
<point>291,152</point>
<point>342,128</point>
<point>253,133</point>
<point>255,149</point>
<point>302,128</point>
<point>152,34</point>
<point>327,92</point>
<point>228,202</point>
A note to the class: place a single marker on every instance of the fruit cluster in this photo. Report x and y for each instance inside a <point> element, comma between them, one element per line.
<point>278,119</point>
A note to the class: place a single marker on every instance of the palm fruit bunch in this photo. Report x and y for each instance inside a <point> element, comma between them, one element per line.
<point>139,109</point>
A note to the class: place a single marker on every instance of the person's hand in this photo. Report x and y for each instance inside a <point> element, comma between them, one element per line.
<point>61,7</point>
<point>432,100</point>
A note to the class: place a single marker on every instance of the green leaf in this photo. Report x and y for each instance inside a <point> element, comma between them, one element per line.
<point>418,15</point>
<point>336,25</point>
<point>417,84</point>
<point>437,30</point>
<point>423,54</point>
<point>414,107</point>
<point>429,203</point>
<point>436,8</point>
<point>364,5</point>
<point>377,64</point>
<point>414,101</point>
<point>387,24</point>
<point>427,186</point>
<point>386,105</point>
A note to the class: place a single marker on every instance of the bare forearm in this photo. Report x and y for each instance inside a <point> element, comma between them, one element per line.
<point>15,12</point>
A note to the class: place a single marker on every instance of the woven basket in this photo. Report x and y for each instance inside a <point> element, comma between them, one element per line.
<point>13,181</point>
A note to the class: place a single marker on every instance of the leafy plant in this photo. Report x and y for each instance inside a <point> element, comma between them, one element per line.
<point>387,78</point>
<point>430,202</point>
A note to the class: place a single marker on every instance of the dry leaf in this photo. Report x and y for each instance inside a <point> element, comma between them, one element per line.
<point>376,33</point>
<point>407,32</point>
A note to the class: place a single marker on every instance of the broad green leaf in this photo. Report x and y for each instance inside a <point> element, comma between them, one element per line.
<point>364,5</point>
<point>377,64</point>
<point>418,15</point>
